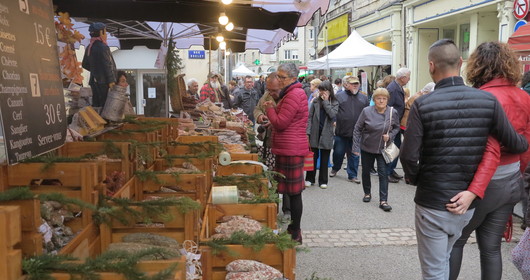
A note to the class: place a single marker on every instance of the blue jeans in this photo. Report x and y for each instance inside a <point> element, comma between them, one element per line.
<point>391,166</point>
<point>367,160</point>
<point>343,145</point>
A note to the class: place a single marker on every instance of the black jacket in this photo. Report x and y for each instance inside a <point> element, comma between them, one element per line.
<point>100,63</point>
<point>350,108</point>
<point>446,136</point>
<point>397,98</point>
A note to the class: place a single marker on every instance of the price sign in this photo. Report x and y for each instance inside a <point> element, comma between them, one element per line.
<point>520,8</point>
<point>32,107</point>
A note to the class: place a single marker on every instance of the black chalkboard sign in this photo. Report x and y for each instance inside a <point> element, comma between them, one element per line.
<point>31,92</point>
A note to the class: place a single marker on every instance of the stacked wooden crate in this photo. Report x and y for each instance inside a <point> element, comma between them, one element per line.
<point>10,237</point>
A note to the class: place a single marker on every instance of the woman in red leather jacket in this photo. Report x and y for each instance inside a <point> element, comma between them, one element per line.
<point>493,67</point>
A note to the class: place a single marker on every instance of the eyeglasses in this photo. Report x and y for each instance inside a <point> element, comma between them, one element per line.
<point>280,77</point>
<point>355,84</point>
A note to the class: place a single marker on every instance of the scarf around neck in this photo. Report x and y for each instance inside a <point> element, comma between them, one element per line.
<point>94,39</point>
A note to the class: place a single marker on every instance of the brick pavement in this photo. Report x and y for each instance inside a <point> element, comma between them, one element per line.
<point>372,237</point>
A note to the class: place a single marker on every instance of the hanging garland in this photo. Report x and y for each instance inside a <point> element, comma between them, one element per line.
<point>125,210</point>
<point>41,267</point>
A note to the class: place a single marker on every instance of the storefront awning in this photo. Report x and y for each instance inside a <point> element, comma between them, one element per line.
<point>520,39</point>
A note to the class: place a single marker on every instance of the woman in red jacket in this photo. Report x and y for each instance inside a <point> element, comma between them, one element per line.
<point>289,141</point>
<point>493,67</point>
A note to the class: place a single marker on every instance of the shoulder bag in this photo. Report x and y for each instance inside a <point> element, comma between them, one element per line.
<point>390,151</point>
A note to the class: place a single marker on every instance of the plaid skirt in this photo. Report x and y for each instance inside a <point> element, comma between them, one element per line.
<point>292,167</point>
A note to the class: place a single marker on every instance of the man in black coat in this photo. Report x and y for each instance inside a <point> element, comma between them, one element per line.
<point>397,100</point>
<point>99,61</point>
<point>443,145</point>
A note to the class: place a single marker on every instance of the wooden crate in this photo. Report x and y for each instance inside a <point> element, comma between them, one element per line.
<point>235,157</point>
<point>10,236</point>
<point>193,186</point>
<point>85,244</point>
<point>265,213</point>
<point>213,266</point>
<point>172,127</point>
<point>203,164</point>
<point>181,227</point>
<point>148,267</point>
<point>143,154</point>
<point>261,188</point>
<point>128,190</point>
<point>77,180</point>
<point>79,149</point>
<point>29,220</point>
<point>236,168</point>
<point>3,177</point>
<point>184,149</point>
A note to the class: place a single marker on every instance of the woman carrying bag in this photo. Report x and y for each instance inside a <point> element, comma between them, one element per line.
<point>323,110</point>
<point>377,126</point>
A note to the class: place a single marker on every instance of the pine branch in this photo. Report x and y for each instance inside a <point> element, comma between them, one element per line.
<point>19,193</point>
<point>256,241</point>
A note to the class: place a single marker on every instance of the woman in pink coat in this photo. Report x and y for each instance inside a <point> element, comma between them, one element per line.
<point>289,141</point>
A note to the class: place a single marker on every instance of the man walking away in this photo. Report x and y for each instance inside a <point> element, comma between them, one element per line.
<point>444,142</point>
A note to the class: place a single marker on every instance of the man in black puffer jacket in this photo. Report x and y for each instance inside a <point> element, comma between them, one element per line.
<point>446,136</point>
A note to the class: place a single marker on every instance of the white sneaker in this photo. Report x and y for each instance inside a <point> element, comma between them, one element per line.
<point>308,184</point>
<point>323,186</point>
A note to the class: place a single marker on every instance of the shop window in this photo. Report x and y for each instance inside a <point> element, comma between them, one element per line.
<point>449,34</point>
<point>464,40</point>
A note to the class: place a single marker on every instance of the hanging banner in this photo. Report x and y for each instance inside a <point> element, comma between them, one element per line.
<point>32,107</point>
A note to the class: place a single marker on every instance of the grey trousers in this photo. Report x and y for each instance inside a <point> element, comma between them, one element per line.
<point>436,233</point>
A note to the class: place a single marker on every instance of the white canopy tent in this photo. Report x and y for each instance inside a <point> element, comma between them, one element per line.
<point>242,71</point>
<point>354,52</point>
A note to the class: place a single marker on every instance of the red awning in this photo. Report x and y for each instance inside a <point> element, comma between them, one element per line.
<point>520,39</point>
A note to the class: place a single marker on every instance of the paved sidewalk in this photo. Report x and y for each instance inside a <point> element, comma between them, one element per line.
<point>348,239</point>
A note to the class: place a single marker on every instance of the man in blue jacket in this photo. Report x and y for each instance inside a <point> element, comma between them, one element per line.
<point>99,61</point>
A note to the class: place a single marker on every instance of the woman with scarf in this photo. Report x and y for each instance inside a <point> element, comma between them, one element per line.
<point>99,61</point>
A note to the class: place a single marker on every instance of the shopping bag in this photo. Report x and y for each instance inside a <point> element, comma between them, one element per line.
<point>309,162</point>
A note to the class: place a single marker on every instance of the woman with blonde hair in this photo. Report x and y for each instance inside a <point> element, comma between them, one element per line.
<point>314,90</point>
<point>493,67</point>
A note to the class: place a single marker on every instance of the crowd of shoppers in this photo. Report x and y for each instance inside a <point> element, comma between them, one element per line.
<point>452,137</point>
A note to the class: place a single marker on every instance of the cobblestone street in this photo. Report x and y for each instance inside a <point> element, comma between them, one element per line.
<point>347,239</point>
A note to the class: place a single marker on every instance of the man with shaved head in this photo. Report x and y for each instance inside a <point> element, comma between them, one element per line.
<point>445,138</point>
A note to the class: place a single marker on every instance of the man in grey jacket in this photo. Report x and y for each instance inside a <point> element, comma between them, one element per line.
<point>247,97</point>
<point>351,103</point>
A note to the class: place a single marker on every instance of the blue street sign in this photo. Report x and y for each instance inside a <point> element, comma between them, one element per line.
<point>196,54</point>
<point>519,24</point>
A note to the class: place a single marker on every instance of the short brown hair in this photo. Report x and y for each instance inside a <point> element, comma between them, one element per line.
<point>492,60</point>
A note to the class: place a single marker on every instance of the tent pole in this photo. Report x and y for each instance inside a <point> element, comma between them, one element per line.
<point>210,55</point>
<point>327,48</point>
